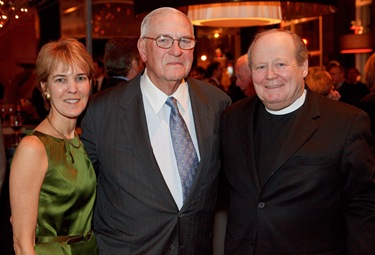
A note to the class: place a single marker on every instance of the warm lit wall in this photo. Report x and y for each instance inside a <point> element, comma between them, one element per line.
<point>18,45</point>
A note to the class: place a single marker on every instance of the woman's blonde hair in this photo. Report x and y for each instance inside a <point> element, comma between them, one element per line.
<point>369,71</point>
<point>319,81</point>
<point>68,51</point>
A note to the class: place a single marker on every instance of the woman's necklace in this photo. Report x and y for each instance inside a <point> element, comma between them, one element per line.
<point>66,138</point>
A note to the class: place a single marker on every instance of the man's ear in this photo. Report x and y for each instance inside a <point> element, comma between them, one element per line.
<point>135,63</point>
<point>305,68</point>
<point>142,49</point>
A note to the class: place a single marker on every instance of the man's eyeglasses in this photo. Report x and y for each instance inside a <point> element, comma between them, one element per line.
<point>166,42</point>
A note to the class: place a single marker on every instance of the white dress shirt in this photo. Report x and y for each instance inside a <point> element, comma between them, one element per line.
<point>157,116</point>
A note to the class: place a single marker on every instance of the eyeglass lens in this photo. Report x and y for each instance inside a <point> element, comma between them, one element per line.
<point>166,42</point>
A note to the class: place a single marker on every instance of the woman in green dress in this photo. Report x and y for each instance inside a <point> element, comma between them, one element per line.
<point>52,182</point>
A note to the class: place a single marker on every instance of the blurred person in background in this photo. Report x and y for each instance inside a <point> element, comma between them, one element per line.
<point>360,89</point>
<point>99,80</point>
<point>350,93</point>
<point>197,72</point>
<point>367,103</point>
<point>338,74</point>
<point>353,76</point>
<point>214,73</point>
<point>243,75</point>
<point>121,60</point>
<point>320,82</point>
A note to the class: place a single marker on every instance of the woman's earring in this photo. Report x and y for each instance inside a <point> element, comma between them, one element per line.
<point>48,96</point>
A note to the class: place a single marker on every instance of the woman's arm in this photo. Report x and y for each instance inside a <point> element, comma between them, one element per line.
<point>27,172</point>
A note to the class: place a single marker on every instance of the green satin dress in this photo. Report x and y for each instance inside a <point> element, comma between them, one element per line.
<point>66,199</point>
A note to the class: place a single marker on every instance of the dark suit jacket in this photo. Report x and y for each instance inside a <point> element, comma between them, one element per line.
<point>367,103</point>
<point>319,197</point>
<point>352,93</point>
<point>94,87</point>
<point>135,212</point>
<point>111,82</point>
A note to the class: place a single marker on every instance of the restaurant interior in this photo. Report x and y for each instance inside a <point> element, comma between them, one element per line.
<point>333,30</point>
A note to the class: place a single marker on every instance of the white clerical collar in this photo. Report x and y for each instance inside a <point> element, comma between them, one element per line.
<point>291,108</point>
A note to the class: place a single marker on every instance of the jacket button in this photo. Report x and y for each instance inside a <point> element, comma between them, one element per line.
<point>261,205</point>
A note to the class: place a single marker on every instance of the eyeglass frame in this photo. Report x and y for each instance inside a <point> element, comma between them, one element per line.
<point>170,37</point>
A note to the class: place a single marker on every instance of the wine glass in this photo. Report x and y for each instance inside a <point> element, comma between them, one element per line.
<point>16,125</point>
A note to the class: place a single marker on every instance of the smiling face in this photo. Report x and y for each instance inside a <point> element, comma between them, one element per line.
<point>278,78</point>
<point>166,67</point>
<point>69,89</point>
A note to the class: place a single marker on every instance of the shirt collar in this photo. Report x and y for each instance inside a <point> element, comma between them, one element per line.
<point>120,77</point>
<point>291,108</point>
<point>157,98</point>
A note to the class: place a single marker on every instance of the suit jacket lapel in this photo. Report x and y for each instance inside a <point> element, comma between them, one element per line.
<point>139,141</point>
<point>246,128</point>
<point>203,125</point>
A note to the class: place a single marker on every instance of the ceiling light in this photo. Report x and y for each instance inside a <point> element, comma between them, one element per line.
<point>236,14</point>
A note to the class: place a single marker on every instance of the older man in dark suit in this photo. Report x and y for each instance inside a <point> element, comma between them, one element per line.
<point>149,199</point>
<point>300,166</point>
